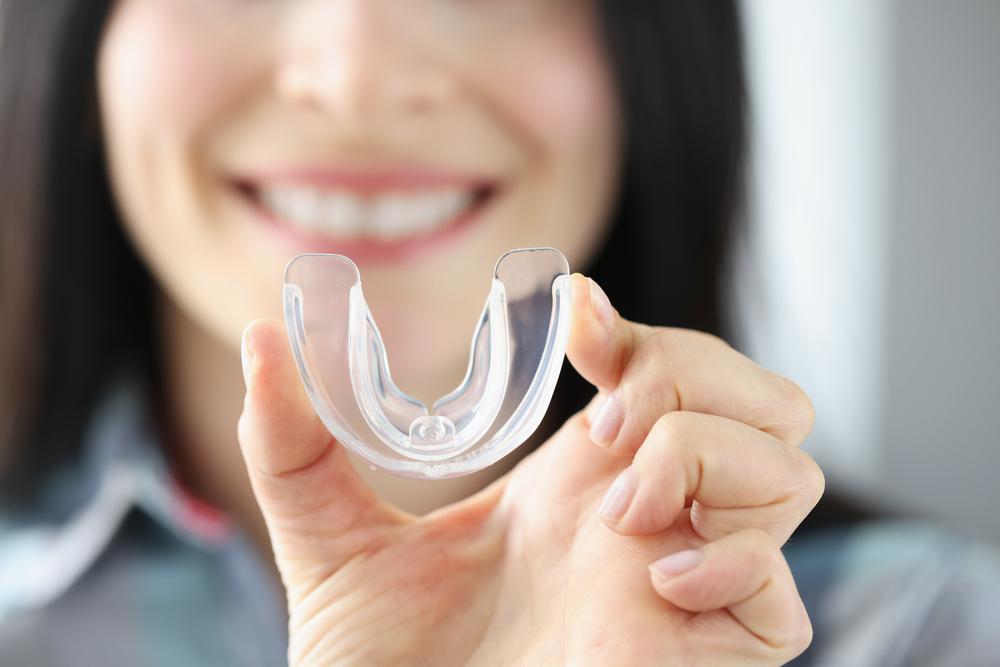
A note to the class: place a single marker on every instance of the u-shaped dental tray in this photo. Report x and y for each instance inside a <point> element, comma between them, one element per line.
<point>517,352</point>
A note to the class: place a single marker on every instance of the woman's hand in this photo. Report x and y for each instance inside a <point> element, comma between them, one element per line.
<point>698,447</point>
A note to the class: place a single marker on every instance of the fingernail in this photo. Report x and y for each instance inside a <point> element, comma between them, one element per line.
<point>602,305</point>
<point>619,496</point>
<point>246,357</point>
<point>604,429</point>
<point>677,563</point>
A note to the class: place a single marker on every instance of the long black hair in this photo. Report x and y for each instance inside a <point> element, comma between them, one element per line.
<point>76,303</point>
<point>679,70</point>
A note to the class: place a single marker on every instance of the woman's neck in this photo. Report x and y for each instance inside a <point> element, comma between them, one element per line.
<point>203,398</point>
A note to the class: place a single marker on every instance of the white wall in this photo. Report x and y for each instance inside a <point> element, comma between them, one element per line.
<point>820,74</point>
<point>875,204</point>
<point>941,452</point>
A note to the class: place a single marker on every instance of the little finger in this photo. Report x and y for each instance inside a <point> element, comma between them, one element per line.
<point>744,593</point>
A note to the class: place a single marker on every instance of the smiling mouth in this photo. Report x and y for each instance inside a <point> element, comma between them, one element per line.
<point>385,217</point>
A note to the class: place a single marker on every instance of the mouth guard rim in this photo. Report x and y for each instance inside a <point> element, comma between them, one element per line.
<point>472,453</point>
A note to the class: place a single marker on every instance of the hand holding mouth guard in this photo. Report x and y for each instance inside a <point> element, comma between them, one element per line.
<point>517,353</point>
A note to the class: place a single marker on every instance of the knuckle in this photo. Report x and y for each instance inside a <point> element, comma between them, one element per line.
<point>760,547</point>
<point>793,638</point>
<point>790,638</point>
<point>801,407</point>
<point>668,341</point>
<point>663,446</point>
<point>761,552</point>
<point>795,412</point>
<point>659,364</point>
<point>813,482</point>
<point>801,641</point>
<point>671,343</point>
<point>804,484</point>
<point>649,383</point>
<point>658,353</point>
<point>807,482</point>
<point>662,459</point>
<point>755,548</point>
<point>673,428</point>
<point>669,447</point>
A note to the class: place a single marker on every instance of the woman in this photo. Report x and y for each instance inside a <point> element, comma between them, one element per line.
<point>423,139</point>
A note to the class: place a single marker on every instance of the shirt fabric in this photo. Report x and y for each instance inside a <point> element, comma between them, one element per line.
<point>122,567</point>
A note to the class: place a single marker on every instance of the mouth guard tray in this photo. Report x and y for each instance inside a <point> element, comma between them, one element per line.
<point>517,352</point>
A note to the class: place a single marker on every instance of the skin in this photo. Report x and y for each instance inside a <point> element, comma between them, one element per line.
<point>195,94</point>
<point>526,572</point>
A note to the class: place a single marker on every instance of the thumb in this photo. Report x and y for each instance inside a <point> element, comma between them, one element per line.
<point>601,342</point>
<point>318,510</point>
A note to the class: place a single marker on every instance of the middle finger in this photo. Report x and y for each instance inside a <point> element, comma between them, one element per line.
<point>732,475</point>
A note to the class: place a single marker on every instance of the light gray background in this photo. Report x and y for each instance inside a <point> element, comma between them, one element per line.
<point>874,272</point>
<point>942,434</point>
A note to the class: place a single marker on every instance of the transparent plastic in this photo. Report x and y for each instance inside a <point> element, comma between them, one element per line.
<point>517,351</point>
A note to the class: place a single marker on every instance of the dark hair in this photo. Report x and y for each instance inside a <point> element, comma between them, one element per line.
<point>679,68</point>
<point>75,301</point>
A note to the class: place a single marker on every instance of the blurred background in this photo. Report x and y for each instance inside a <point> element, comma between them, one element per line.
<point>871,275</point>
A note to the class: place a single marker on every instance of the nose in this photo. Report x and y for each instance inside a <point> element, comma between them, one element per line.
<point>360,60</point>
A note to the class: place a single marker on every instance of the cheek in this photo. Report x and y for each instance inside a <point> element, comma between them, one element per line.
<point>556,87</point>
<point>164,66</point>
<point>561,103</point>
<point>558,99</point>
<point>169,76</point>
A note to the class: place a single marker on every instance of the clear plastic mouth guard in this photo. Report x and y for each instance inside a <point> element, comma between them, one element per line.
<point>517,352</point>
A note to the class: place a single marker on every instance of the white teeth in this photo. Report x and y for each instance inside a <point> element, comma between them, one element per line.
<point>388,216</point>
<point>343,213</point>
<point>304,205</point>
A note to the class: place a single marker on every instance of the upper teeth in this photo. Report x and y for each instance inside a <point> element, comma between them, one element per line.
<point>348,215</point>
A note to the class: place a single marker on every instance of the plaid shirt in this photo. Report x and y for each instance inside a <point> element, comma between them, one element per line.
<point>122,567</point>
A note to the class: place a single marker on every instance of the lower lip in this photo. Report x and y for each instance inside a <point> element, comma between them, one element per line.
<point>410,248</point>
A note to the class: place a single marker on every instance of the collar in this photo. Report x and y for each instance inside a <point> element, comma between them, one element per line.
<point>82,508</point>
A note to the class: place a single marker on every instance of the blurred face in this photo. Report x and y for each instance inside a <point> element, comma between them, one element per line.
<point>421,138</point>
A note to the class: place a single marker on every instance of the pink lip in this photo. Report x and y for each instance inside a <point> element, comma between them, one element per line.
<point>365,183</point>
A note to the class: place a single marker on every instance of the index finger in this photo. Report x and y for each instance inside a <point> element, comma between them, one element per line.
<point>647,372</point>
<point>317,508</point>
